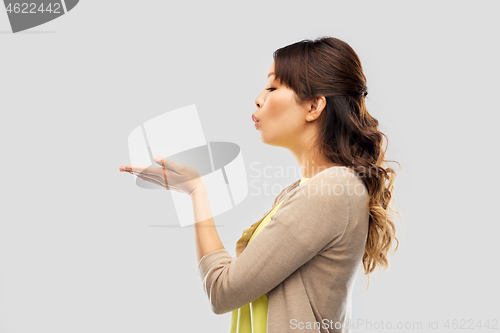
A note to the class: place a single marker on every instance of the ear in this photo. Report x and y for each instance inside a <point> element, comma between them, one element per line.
<point>316,107</point>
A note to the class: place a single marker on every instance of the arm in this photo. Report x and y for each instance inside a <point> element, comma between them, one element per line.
<point>309,219</point>
<point>207,238</point>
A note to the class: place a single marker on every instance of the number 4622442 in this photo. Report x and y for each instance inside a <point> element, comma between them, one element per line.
<point>31,8</point>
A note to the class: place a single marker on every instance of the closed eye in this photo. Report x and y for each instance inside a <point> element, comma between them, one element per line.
<point>271,89</point>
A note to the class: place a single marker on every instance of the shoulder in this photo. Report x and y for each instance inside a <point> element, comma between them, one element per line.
<point>333,188</point>
<point>344,178</point>
<point>285,191</point>
<point>336,183</point>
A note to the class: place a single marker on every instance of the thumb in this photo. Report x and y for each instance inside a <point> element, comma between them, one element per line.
<point>159,159</point>
<point>167,163</point>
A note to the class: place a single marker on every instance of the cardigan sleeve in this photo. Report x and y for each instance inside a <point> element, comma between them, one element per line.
<point>309,219</point>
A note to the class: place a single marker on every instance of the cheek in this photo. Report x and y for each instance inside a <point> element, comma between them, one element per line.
<point>277,107</point>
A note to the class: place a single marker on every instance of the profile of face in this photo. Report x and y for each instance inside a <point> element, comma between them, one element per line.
<point>281,121</point>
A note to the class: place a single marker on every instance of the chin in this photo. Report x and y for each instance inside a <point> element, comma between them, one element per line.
<point>271,142</point>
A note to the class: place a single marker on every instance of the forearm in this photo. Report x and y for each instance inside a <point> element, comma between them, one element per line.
<point>207,239</point>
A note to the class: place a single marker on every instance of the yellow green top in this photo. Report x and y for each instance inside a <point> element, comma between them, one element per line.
<point>252,318</point>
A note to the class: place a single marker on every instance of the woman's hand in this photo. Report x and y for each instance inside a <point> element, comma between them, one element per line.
<point>171,175</point>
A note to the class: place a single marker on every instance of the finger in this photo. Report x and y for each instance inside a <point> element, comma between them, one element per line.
<point>157,173</point>
<point>158,159</point>
<point>124,168</point>
<point>154,176</point>
<point>145,173</point>
<point>168,163</point>
<point>159,182</point>
<point>150,170</point>
<point>137,168</point>
<point>147,178</point>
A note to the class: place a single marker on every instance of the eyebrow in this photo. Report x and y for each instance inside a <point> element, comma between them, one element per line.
<point>268,75</point>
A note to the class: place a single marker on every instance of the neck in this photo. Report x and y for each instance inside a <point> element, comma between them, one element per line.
<point>312,163</point>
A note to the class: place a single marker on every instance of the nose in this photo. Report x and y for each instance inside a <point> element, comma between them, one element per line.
<point>259,101</point>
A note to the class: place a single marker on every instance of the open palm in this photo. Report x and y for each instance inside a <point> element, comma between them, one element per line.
<point>171,175</point>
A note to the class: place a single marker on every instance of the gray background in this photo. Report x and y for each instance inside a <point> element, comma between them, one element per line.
<point>79,250</point>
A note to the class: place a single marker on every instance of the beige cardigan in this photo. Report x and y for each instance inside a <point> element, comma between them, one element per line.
<point>305,259</point>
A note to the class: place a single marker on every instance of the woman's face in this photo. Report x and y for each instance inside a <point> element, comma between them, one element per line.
<point>281,121</point>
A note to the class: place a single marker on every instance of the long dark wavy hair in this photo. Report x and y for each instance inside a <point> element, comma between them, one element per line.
<point>349,135</point>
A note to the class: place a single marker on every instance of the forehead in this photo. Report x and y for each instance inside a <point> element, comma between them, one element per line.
<point>271,69</point>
